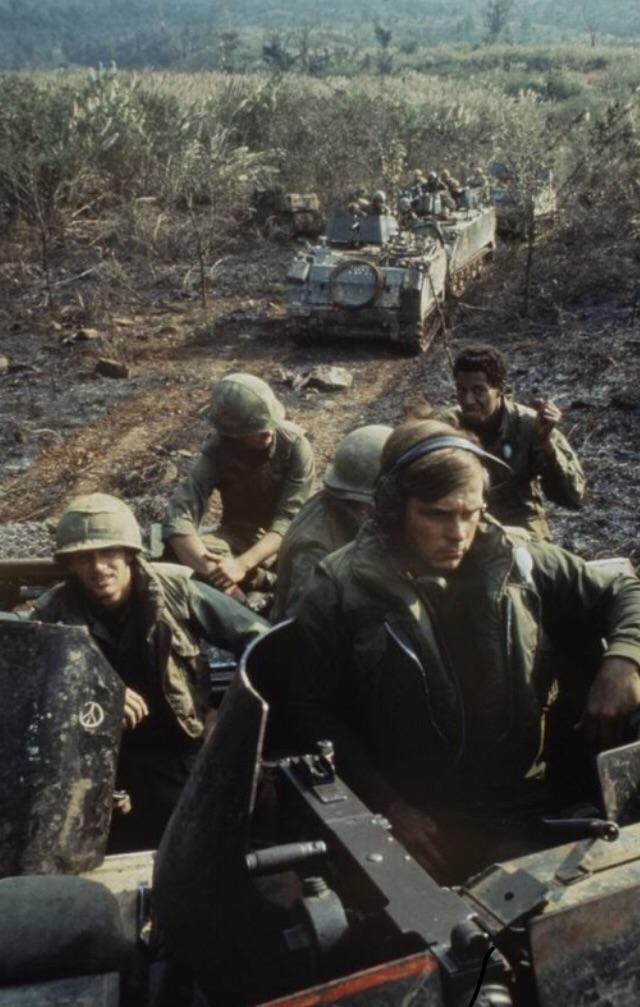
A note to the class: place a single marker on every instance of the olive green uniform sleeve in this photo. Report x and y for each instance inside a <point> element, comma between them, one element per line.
<point>294,578</point>
<point>560,473</point>
<point>190,500</point>
<point>222,620</point>
<point>297,486</point>
<point>581,603</point>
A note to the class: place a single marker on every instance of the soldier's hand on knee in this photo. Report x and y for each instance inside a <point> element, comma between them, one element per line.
<point>614,694</point>
<point>135,708</point>
<point>230,571</point>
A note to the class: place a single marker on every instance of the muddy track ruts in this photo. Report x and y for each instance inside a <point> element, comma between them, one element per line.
<point>123,451</point>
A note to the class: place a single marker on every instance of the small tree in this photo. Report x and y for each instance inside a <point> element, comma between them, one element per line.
<point>383,38</point>
<point>496,18</point>
<point>276,54</point>
<point>229,42</point>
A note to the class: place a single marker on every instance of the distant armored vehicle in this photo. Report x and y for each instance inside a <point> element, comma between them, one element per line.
<point>515,206</point>
<point>297,214</point>
<point>369,280</point>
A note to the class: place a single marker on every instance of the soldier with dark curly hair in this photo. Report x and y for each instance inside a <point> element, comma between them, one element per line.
<point>541,460</point>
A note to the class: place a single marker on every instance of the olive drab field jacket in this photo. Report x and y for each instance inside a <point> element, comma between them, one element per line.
<point>434,688</point>
<point>177,610</point>
<point>324,524</point>
<point>518,499</point>
<point>265,496</point>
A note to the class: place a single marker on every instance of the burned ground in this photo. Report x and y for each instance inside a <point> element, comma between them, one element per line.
<point>66,429</point>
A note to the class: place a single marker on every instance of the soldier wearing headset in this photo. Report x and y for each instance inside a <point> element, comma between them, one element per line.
<point>430,649</point>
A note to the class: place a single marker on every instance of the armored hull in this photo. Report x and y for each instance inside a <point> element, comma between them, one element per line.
<point>361,923</point>
<point>367,281</point>
<point>469,237</point>
<point>517,205</point>
<point>512,212</point>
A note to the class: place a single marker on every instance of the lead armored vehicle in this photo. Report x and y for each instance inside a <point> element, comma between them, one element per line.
<point>366,279</point>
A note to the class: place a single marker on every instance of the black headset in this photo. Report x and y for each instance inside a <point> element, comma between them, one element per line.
<point>389,498</point>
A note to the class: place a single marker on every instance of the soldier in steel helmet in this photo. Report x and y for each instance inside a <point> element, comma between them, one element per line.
<point>263,468</point>
<point>424,656</point>
<point>541,460</point>
<point>332,517</point>
<point>379,203</point>
<point>455,190</point>
<point>478,178</point>
<point>407,218</point>
<point>147,619</point>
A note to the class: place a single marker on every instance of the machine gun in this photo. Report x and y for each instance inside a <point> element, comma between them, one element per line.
<point>318,896</point>
<point>274,884</point>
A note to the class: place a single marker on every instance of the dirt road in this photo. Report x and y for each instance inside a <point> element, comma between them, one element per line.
<point>66,430</point>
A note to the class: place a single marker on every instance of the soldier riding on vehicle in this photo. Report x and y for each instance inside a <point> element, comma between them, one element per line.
<point>540,458</point>
<point>379,203</point>
<point>332,517</point>
<point>146,618</point>
<point>424,656</point>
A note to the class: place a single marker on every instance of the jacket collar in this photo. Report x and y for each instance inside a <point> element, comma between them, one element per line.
<point>377,565</point>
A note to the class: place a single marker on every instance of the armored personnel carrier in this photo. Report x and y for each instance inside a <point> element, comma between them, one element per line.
<point>369,280</point>
<point>515,207</point>
<point>469,238</point>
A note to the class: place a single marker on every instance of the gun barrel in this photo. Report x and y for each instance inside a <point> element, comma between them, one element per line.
<point>30,571</point>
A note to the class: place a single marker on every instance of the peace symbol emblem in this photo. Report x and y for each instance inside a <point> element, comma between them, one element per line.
<point>91,716</point>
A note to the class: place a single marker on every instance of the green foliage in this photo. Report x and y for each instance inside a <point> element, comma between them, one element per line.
<point>199,34</point>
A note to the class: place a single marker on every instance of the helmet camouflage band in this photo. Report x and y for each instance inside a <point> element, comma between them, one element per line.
<point>356,463</point>
<point>97,521</point>
<point>243,405</point>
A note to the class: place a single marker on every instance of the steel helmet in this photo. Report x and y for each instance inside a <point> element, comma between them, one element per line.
<point>404,203</point>
<point>243,405</point>
<point>97,521</point>
<point>379,196</point>
<point>356,463</point>
<point>432,175</point>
